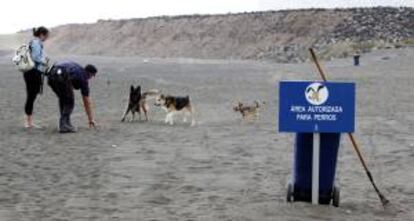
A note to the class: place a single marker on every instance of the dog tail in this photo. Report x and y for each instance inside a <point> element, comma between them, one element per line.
<point>150,93</point>
<point>259,103</point>
<point>194,114</point>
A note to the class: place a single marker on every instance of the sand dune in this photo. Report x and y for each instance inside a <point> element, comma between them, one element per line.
<point>11,41</point>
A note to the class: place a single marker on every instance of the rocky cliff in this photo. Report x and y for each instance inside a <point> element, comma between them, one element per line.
<point>281,36</point>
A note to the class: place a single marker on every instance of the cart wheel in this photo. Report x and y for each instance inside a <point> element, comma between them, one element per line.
<point>335,196</point>
<point>289,195</point>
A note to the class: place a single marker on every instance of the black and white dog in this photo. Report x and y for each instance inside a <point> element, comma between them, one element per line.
<point>174,105</point>
<point>138,102</point>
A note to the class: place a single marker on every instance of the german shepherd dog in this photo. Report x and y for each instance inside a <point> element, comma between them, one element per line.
<point>248,111</point>
<point>138,102</point>
<point>173,105</point>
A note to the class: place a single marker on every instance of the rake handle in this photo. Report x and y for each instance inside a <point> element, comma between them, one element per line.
<point>384,201</point>
<point>357,150</point>
<point>315,59</point>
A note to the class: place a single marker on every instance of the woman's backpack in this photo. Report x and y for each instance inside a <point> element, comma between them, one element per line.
<point>23,59</point>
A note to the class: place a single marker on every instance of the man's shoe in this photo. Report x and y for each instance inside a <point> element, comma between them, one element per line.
<point>67,129</point>
<point>65,126</point>
<point>69,123</point>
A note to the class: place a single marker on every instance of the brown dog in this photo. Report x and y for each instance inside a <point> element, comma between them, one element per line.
<point>248,112</point>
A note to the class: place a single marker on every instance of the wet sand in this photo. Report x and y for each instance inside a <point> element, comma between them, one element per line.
<point>221,169</point>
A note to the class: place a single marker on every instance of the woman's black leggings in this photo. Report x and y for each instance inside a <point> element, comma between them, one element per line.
<point>33,79</point>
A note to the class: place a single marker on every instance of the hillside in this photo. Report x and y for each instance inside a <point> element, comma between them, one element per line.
<point>8,43</point>
<point>281,36</point>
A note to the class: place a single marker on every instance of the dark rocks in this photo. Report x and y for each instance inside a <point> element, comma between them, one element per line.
<point>388,24</point>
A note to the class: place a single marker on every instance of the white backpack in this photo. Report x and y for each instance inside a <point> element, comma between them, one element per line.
<point>23,59</point>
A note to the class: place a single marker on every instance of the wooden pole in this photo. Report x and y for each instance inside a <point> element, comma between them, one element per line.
<point>384,200</point>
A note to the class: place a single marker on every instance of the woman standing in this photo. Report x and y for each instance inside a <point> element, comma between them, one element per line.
<point>33,78</point>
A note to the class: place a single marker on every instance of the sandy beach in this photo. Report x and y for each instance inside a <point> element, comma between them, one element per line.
<point>221,169</point>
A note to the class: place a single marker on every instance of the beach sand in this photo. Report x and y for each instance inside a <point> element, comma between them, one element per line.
<point>221,169</point>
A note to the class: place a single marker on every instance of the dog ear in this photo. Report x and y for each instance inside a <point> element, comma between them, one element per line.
<point>132,88</point>
<point>138,88</point>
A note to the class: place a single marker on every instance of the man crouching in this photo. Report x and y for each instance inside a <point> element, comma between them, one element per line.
<point>64,77</point>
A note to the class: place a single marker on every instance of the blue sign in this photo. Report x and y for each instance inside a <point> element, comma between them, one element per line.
<point>316,107</point>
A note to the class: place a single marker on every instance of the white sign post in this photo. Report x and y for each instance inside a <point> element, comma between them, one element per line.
<point>315,168</point>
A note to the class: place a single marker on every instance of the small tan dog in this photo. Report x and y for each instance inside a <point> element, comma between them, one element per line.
<point>248,112</point>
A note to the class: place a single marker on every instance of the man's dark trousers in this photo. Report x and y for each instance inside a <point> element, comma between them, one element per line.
<point>62,86</point>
